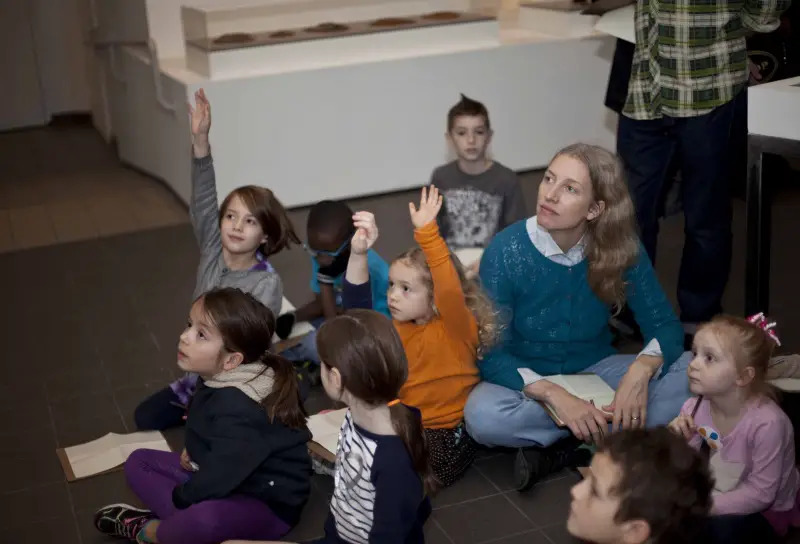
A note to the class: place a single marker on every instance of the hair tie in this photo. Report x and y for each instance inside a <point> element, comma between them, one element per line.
<point>760,321</point>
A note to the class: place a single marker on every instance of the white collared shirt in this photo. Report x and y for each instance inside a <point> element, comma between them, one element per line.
<point>544,243</point>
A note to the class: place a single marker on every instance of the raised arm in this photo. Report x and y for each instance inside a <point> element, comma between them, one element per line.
<point>357,292</point>
<point>203,208</point>
<point>447,293</point>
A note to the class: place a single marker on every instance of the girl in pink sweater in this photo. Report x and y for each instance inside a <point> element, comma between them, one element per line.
<point>749,437</point>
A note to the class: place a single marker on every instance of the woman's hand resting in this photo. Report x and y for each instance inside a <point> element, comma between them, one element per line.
<point>584,419</point>
<point>630,401</point>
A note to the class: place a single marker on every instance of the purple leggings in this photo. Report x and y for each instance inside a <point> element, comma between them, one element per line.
<point>152,475</point>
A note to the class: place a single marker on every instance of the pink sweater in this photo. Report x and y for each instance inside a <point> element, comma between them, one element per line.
<point>754,464</point>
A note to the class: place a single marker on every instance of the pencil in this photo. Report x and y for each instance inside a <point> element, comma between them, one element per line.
<point>697,405</point>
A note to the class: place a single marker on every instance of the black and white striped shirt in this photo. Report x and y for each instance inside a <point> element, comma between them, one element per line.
<point>378,496</point>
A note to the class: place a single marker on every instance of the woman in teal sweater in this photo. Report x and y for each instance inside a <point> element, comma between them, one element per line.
<point>556,278</point>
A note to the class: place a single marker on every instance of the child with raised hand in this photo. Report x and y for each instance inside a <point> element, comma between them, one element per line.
<point>330,230</point>
<point>245,470</point>
<point>750,439</point>
<point>382,479</point>
<point>643,486</point>
<point>444,321</point>
<point>235,240</point>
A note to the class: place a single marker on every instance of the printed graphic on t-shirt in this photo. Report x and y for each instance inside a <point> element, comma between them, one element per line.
<point>472,216</point>
<point>726,473</point>
<point>353,500</point>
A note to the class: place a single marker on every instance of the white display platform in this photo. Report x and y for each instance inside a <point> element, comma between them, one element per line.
<point>213,19</point>
<point>773,109</point>
<point>370,123</point>
<point>202,26</point>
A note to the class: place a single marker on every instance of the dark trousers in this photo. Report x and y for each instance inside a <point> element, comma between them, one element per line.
<point>699,147</point>
<point>739,529</point>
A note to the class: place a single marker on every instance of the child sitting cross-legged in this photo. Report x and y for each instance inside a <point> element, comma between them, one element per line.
<point>245,471</point>
<point>444,321</point>
<point>748,436</point>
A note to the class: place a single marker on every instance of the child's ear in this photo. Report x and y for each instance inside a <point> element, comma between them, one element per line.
<point>335,379</point>
<point>746,376</point>
<point>596,210</point>
<point>232,360</point>
<point>635,531</point>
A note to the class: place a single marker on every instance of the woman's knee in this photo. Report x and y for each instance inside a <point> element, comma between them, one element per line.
<point>487,413</point>
<point>671,391</point>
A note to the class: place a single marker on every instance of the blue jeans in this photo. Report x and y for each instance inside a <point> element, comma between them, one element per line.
<point>306,349</point>
<point>498,416</point>
<point>701,148</point>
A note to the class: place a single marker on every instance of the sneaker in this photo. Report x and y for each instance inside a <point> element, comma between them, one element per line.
<point>531,465</point>
<point>121,520</point>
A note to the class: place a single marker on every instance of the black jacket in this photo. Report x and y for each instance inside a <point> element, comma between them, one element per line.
<point>239,451</point>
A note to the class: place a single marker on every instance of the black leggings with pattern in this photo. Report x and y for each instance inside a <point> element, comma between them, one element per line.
<point>450,452</point>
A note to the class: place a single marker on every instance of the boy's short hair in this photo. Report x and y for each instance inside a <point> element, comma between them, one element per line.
<point>467,107</point>
<point>332,216</point>
<point>663,481</point>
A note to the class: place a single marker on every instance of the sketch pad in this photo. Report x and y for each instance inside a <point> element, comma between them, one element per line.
<point>106,454</point>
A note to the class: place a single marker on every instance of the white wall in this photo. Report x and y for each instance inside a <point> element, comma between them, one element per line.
<point>43,61</point>
<point>61,55</point>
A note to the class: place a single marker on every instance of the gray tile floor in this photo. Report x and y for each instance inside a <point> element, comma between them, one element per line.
<point>89,328</point>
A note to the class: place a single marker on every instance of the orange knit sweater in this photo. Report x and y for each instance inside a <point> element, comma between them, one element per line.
<point>441,353</point>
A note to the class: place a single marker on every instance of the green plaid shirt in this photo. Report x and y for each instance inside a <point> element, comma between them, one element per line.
<point>691,55</point>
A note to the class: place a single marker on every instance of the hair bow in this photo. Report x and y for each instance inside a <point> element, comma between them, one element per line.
<point>760,320</point>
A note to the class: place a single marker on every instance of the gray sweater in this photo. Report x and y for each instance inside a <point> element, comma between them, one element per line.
<point>212,271</point>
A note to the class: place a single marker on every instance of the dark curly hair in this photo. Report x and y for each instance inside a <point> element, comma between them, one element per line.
<point>664,482</point>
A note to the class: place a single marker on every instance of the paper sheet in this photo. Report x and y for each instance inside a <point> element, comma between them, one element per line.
<point>107,452</point>
<point>469,255</point>
<point>325,428</point>
<point>589,387</point>
<point>619,23</point>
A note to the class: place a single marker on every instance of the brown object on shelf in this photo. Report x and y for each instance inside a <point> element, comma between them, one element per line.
<point>235,37</point>
<point>392,21</point>
<point>441,16</point>
<point>327,27</point>
<point>281,34</point>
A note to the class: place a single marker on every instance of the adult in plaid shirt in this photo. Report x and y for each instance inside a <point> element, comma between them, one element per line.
<point>687,85</point>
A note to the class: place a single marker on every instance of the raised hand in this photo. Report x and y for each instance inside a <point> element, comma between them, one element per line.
<point>366,233</point>
<point>200,114</point>
<point>430,202</point>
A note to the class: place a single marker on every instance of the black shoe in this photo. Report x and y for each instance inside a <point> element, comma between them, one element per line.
<point>122,520</point>
<point>531,465</point>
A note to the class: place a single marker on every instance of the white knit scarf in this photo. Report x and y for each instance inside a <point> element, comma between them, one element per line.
<point>251,379</point>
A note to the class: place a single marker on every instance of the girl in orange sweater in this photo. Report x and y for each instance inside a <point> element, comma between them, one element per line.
<point>445,322</point>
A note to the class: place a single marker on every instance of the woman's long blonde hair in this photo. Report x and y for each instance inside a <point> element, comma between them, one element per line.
<point>612,245</point>
<point>475,297</point>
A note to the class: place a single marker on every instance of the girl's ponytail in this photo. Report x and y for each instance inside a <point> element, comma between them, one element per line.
<point>284,403</point>
<point>407,423</point>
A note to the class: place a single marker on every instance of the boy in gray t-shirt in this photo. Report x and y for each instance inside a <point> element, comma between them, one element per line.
<point>481,196</point>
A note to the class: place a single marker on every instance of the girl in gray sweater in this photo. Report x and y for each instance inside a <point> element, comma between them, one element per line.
<point>235,239</point>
